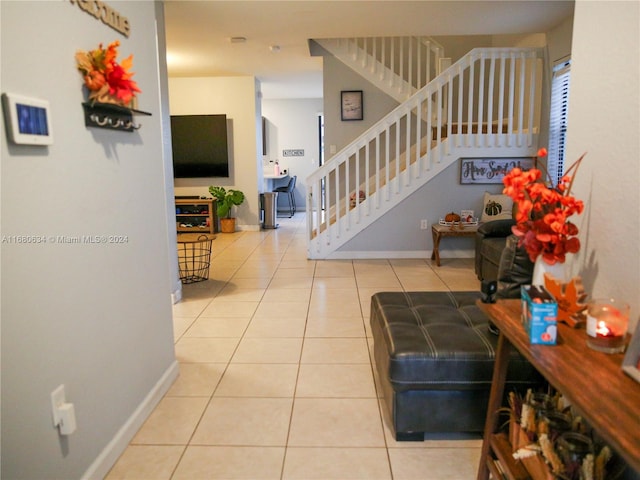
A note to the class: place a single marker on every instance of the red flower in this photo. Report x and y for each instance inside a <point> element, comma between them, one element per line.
<point>542,219</point>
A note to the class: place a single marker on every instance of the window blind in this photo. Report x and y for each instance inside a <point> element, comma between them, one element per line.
<point>558,119</point>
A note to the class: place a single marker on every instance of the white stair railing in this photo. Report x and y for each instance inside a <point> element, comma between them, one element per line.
<point>400,66</point>
<point>490,99</point>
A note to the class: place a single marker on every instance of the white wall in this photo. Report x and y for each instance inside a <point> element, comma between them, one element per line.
<point>604,121</point>
<point>235,97</point>
<point>376,104</point>
<point>293,124</point>
<point>94,317</point>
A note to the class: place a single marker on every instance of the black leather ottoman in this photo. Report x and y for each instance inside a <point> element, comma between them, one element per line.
<point>434,357</point>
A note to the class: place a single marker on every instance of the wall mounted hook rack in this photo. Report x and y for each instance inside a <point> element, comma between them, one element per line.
<point>113,117</point>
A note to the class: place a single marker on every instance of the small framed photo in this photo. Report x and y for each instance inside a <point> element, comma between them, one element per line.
<point>351,107</point>
<point>631,362</point>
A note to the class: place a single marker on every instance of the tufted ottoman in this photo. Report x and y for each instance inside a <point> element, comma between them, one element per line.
<point>434,356</point>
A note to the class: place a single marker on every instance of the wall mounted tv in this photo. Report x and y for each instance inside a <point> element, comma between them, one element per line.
<point>199,146</point>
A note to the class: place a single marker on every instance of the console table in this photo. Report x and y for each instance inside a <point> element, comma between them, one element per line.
<point>593,382</point>
<point>438,231</point>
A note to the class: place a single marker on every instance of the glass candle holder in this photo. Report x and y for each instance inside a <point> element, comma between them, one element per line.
<point>607,324</point>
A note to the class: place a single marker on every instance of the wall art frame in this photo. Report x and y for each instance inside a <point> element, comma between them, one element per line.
<point>631,362</point>
<point>351,105</point>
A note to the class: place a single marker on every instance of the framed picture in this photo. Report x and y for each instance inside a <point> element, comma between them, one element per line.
<point>631,362</point>
<point>351,105</point>
<point>490,170</point>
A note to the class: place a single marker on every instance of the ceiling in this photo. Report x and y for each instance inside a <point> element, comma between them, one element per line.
<point>276,49</point>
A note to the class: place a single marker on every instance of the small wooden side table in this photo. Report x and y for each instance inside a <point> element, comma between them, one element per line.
<point>438,231</point>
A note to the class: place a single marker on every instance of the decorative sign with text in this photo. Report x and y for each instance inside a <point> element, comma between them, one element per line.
<point>109,16</point>
<point>293,153</point>
<point>490,170</point>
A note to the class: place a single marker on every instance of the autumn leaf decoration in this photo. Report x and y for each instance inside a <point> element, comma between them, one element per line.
<point>571,299</point>
<point>108,80</point>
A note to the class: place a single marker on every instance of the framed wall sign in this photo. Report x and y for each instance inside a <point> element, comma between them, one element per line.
<point>351,105</point>
<point>631,362</point>
<point>490,170</point>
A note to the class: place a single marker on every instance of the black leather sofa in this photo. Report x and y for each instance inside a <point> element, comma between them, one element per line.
<point>490,241</point>
<point>434,354</point>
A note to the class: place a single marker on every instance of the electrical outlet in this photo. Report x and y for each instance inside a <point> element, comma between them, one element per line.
<point>57,400</point>
<point>423,224</point>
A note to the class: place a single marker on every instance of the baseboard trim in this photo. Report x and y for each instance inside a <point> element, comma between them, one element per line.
<point>108,457</point>
<point>176,296</point>
<point>424,254</point>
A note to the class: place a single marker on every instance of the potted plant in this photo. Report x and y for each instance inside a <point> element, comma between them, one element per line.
<point>225,199</point>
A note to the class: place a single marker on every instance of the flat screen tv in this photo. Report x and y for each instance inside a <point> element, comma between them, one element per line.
<point>199,146</point>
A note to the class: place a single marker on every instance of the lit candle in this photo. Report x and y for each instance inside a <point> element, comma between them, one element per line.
<point>607,324</point>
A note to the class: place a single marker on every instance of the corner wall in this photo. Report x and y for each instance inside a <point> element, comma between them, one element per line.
<point>604,121</point>
<point>293,124</point>
<point>95,317</point>
<point>235,97</point>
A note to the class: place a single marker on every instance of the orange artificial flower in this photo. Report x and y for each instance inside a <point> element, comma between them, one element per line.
<point>542,219</point>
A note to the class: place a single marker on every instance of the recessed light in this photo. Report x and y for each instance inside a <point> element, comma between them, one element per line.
<point>238,39</point>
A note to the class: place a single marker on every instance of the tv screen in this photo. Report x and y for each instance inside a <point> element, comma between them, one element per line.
<point>199,146</point>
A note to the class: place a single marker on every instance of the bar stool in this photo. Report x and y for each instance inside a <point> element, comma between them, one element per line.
<point>289,190</point>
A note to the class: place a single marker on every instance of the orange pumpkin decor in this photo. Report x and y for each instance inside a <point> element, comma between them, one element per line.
<point>452,217</point>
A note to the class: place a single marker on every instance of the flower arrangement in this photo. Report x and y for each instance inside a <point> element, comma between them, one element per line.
<point>107,80</point>
<point>542,218</point>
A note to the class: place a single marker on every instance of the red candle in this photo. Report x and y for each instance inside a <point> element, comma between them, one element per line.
<point>607,324</point>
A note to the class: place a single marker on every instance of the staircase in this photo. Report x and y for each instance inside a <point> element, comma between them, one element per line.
<point>399,66</point>
<point>485,104</point>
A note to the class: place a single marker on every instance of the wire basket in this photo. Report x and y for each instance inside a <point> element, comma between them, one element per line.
<point>194,257</point>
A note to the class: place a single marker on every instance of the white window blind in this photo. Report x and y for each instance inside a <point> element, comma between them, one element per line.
<point>558,119</point>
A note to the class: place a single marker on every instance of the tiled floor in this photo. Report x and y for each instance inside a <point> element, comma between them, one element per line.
<point>276,380</point>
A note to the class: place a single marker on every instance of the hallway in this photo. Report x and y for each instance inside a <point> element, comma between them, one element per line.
<point>276,380</point>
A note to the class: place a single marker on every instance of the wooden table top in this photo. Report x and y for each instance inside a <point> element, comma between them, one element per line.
<point>592,381</point>
<point>454,229</point>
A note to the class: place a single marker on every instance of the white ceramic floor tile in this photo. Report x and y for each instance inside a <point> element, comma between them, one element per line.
<point>330,326</point>
<point>180,326</point>
<point>258,380</point>
<point>286,295</point>
<point>172,422</point>
<point>282,310</point>
<point>197,379</point>
<point>244,421</point>
<point>218,327</point>
<point>342,422</point>
<point>336,464</point>
<point>230,463</point>
<point>205,350</point>
<point>335,350</point>
<point>230,309</point>
<point>139,462</point>
<point>268,350</point>
<point>434,463</point>
<point>276,327</point>
<point>335,381</point>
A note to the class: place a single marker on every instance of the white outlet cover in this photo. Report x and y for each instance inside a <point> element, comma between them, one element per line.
<point>57,399</point>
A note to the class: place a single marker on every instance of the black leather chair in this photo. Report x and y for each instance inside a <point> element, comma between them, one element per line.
<point>289,189</point>
<point>490,241</point>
